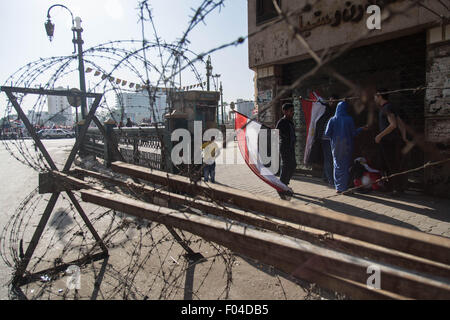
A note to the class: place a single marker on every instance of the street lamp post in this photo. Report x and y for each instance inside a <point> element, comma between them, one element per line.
<point>221,100</point>
<point>77,40</point>
<point>232,107</point>
<point>216,84</point>
<point>80,42</point>
<point>208,73</point>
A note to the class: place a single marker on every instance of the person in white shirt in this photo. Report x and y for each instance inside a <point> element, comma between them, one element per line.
<point>210,152</point>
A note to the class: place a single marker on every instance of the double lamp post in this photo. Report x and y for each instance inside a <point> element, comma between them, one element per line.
<point>78,44</point>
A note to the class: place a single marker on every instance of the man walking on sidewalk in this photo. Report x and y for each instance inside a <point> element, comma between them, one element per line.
<point>390,141</point>
<point>287,146</point>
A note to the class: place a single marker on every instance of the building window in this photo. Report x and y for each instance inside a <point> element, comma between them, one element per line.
<point>265,10</point>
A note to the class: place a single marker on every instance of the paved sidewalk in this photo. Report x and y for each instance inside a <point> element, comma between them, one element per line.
<point>410,210</point>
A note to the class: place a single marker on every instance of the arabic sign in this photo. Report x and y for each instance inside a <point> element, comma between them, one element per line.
<point>438,130</point>
<point>264,98</point>
<point>350,12</point>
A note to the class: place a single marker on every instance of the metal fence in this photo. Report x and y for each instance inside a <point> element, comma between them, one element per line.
<point>140,146</point>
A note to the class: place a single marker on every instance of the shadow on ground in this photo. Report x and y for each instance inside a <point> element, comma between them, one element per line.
<point>352,210</point>
<point>420,204</point>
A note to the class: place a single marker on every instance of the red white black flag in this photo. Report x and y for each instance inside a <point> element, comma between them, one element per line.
<point>247,133</point>
<point>313,109</point>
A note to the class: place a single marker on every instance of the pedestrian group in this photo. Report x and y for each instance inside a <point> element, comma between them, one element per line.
<point>333,147</point>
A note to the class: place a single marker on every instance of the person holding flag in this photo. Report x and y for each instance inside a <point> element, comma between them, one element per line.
<point>287,147</point>
<point>247,135</point>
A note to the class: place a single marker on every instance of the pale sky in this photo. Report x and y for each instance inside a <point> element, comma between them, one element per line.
<point>25,40</point>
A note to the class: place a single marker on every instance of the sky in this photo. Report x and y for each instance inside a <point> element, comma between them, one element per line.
<point>25,40</point>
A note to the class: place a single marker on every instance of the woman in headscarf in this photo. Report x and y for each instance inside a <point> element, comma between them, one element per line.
<point>341,130</point>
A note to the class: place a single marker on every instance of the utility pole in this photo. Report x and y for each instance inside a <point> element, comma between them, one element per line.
<point>224,130</point>
<point>208,73</point>
<point>80,42</point>
<point>221,100</point>
<point>179,65</point>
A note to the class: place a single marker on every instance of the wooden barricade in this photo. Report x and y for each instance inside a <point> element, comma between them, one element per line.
<point>331,249</point>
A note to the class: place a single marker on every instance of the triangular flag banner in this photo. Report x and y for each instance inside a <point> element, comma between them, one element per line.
<point>247,133</point>
<point>124,82</point>
<point>131,85</point>
<point>313,110</point>
<point>97,73</point>
<point>88,70</point>
<point>104,76</point>
<point>118,81</point>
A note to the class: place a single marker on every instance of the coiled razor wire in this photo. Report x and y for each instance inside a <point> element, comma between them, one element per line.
<point>144,248</point>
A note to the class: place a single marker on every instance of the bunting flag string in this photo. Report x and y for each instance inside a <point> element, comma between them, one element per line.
<point>138,86</point>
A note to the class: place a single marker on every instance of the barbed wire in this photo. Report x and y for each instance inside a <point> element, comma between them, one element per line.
<point>121,281</point>
<point>349,191</point>
<point>147,246</point>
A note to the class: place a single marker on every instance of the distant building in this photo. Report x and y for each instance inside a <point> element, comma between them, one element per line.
<point>191,106</point>
<point>59,110</point>
<point>411,50</point>
<point>245,107</point>
<point>138,107</point>
<point>39,118</point>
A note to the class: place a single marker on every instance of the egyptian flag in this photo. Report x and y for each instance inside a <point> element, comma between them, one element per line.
<point>247,133</point>
<point>313,109</point>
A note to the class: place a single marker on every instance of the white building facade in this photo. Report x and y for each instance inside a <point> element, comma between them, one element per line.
<point>245,107</point>
<point>59,110</point>
<point>138,107</point>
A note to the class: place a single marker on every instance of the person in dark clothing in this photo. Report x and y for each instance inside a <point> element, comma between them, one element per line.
<point>390,141</point>
<point>129,123</point>
<point>287,146</point>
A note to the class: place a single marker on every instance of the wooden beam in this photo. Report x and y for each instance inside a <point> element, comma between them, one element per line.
<point>315,236</point>
<point>417,243</point>
<point>68,182</point>
<point>277,249</point>
<point>60,93</point>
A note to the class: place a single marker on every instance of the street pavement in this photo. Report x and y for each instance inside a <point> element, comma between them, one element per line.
<point>411,210</point>
<point>17,181</point>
